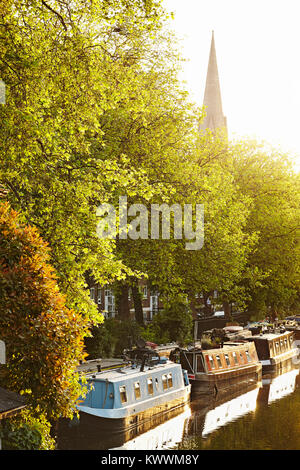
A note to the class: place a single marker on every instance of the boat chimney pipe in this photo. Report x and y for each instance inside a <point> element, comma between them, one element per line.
<point>143,363</point>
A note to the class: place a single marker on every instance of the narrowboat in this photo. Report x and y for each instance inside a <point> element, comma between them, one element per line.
<point>210,370</point>
<point>274,349</point>
<point>294,326</point>
<point>128,396</point>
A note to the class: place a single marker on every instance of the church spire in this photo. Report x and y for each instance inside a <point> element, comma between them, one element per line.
<point>214,118</point>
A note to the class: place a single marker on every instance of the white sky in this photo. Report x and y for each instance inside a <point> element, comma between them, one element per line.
<point>258,54</point>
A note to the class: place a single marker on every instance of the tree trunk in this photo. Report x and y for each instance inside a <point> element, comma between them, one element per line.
<point>227,310</point>
<point>138,306</point>
<point>123,302</point>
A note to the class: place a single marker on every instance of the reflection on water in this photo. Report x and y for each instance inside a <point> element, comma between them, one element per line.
<point>264,415</point>
<point>164,436</point>
<point>280,386</point>
<point>267,417</point>
<point>158,433</point>
<point>229,411</point>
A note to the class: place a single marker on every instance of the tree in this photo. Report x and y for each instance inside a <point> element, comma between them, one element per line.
<point>44,338</point>
<point>173,324</point>
<point>271,276</point>
<point>65,65</point>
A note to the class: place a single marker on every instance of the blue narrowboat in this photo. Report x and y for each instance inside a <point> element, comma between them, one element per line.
<point>128,396</point>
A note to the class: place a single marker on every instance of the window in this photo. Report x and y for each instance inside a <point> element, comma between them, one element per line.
<point>137,390</point>
<point>227,359</point>
<point>248,356</point>
<point>219,361</point>
<point>123,394</point>
<point>285,344</point>
<point>242,357</point>
<point>170,380</point>
<point>165,382</point>
<point>211,361</point>
<point>156,384</point>
<point>150,386</point>
<point>92,293</point>
<point>235,357</point>
<point>145,292</point>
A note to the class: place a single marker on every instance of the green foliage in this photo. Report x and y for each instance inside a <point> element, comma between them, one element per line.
<point>26,431</point>
<point>112,337</point>
<point>173,324</point>
<point>271,278</point>
<point>67,74</point>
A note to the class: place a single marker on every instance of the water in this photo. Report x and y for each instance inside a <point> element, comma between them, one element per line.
<point>261,416</point>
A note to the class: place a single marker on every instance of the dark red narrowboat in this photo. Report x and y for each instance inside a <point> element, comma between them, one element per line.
<point>212,369</point>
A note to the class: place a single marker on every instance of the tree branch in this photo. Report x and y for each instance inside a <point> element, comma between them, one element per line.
<point>56,13</point>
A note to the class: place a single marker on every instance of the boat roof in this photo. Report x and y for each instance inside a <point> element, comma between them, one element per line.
<point>10,402</point>
<point>270,336</point>
<point>132,372</point>
<point>227,346</point>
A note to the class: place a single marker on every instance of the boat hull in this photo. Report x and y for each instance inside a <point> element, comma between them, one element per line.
<point>224,380</point>
<point>277,362</point>
<point>119,420</point>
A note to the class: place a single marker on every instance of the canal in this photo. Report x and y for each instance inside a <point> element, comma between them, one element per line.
<point>260,416</point>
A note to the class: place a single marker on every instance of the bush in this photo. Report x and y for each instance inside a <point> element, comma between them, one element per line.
<point>173,323</point>
<point>26,432</point>
<point>43,337</point>
<point>112,337</point>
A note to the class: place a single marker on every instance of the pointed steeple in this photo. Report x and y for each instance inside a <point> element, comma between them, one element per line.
<point>214,118</point>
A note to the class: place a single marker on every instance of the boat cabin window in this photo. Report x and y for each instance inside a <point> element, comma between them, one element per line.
<point>123,394</point>
<point>170,380</point>
<point>165,382</point>
<point>150,386</point>
<point>219,361</point>
<point>285,344</point>
<point>242,357</point>
<point>227,359</point>
<point>277,346</point>
<point>248,355</point>
<point>235,357</point>
<point>137,390</point>
<point>156,384</point>
<point>291,339</point>
<point>211,361</point>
